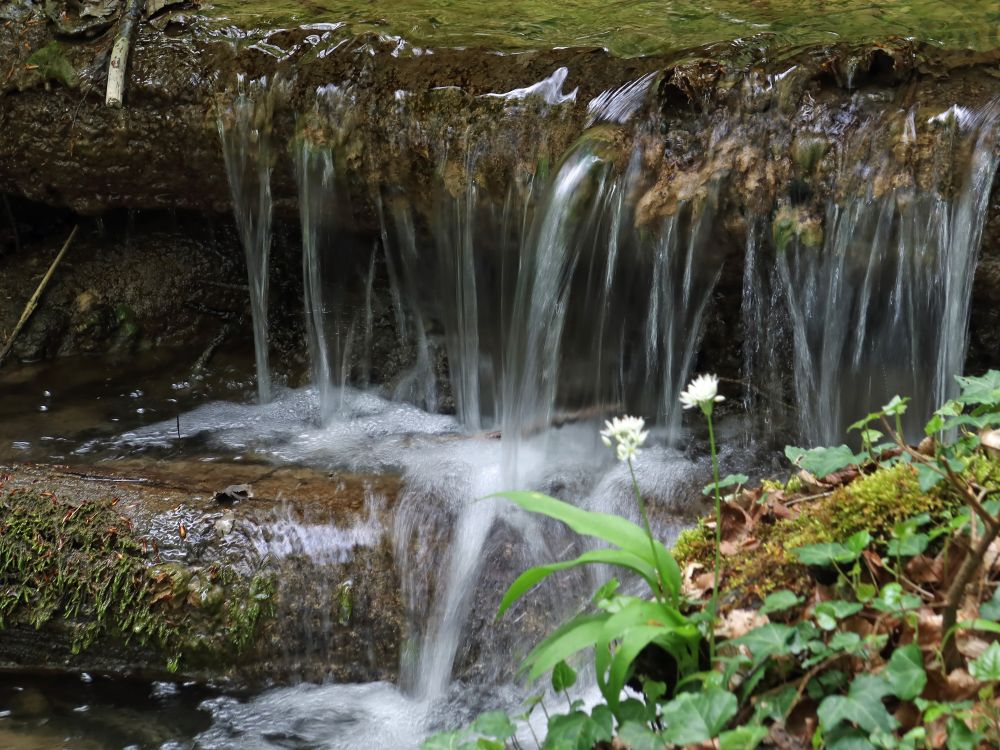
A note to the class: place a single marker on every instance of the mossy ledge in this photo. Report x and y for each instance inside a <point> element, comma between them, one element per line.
<point>77,570</point>
<point>873,502</point>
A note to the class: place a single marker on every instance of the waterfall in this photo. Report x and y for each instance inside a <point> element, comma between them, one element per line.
<point>245,131</point>
<point>881,306</point>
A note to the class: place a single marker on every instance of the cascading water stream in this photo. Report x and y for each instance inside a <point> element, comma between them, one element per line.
<point>245,131</point>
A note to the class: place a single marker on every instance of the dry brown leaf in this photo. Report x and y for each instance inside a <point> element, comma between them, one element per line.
<point>959,685</point>
<point>923,569</point>
<point>739,622</point>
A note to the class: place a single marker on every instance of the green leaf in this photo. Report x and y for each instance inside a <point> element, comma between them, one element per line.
<point>991,610</point>
<point>857,543</point>
<point>824,554</point>
<point>927,477</point>
<point>638,736</point>
<point>780,601</point>
<point>482,743</point>
<point>697,717</point>
<point>575,635</point>
<point>862,706</point>
<point>766,641</point>
<point>896,406</point>
<point>446,740</point>
<point>960,737</point>
<point>987,667</point>
<point>563,677</point>
<point>822,461</point>
<point>905,672</point>
<point>607,527</point>
<point>984,389</point>
<point>533,576</point>
<point>730,480</point>
<point>893,598</point>
<point>574,731</point>
<point>495,724</point>
<point>742,738</point>
<point>828,614</point>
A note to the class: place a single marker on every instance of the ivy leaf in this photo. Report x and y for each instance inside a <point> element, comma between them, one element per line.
<point>991,610</point>
<point>862,706</point>
<point>639,737</point>
<point>563,676</point>
<point>984,389</point>
<point>730,480</point>
<point>574,731</point>
<point>766,641</point>
<point>987,667</point>
<point>495,724</point>
<point>823,555</point>
<point>892,598</point>
<point>742,738</point>
<point>822,461</point>
<point>446,741</point>
<point>780,601</point>
<point>928,477</point>
<point>697,717</point>
<point>896,406</point>
<point>828,614</point>
<point>905,672</point>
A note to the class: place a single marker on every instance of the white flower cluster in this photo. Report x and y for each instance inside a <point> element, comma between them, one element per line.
<point>702,392</point>
<point>626,434</point>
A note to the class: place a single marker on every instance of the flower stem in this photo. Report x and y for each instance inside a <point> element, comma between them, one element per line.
<point>649,531</point>
<point>717,575</point>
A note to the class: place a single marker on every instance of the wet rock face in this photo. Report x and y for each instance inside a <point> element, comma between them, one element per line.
<point>246,594</point>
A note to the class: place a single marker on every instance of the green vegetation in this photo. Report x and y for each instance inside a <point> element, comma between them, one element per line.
<point>636,28</point>
<point>858,605</point>
<point>81,566</point>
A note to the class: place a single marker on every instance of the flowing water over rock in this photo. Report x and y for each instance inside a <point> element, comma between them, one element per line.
<point>537,260</point>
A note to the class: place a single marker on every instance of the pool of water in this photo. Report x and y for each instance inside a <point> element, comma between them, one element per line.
<point>640,27</point>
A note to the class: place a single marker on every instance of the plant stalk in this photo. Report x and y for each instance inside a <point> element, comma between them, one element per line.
<point>649,531</point>
<point>717,573</point>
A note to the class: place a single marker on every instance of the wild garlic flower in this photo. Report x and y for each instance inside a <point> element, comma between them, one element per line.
<point>625,434</point>
<point>702,392</point>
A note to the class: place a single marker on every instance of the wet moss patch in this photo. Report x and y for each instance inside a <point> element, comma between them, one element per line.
<point>82,565</point>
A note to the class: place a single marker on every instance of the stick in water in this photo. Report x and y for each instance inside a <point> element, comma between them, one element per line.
<point>33,302</point>
<point>119,55</point>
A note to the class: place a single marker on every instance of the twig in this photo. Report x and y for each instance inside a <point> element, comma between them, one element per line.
<point>119,55</point>
<point>13,223</point>
<point>33,302</point>
<point>949,618</point>
<point>202,362</point>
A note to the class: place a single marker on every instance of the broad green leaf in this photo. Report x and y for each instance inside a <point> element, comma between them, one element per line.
<point>857,543</point>
<point>697,717</point>
<point>766,641</point>
<point>484,743</point>
<point>495,724</point>
<point>775,706</point>
<point>987,667</point>
<point>928,478</point>
<point>893,598</point>
<point>533,576</point>
<point>990,610</point>
<point>730,480</point>
<point>822,461</point>
<point>575,635</point>
<point>604,718</point>
<point>605,526</point>
<point>574,731</point>
<point>825,554</point>
<point>742,738</point>
<point>638,736</point>
<point>905,672</point>
<point>896,406</point>
<point>961,737</point>
<point>563,677</point>
<point>828,614</point>
<point>984,389</point>
<point>446,741</point>
<point>779,601</point>
<point>635,710</point>
<point>850,739</point>
<point>653,690</point>
<point>862,706</point>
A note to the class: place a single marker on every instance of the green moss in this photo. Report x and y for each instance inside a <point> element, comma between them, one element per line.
<point>82,564</point>
<point>53,65</point>
<point>875,502</point>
